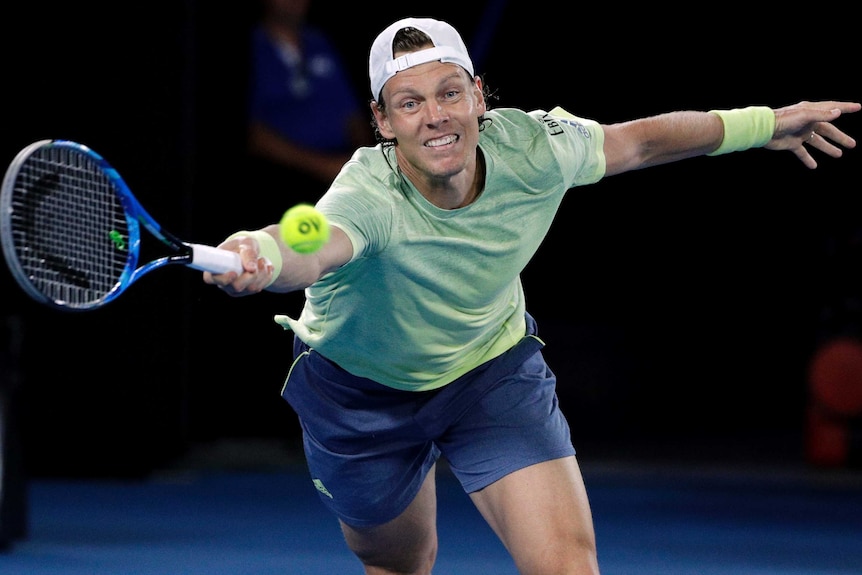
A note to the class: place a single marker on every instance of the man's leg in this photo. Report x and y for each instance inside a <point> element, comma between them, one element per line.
<point>542,515</point>
<point>407,545</point>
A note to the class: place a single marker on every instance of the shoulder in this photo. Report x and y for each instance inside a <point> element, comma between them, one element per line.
<point>261,41</point>
<point>317,40</point>
<point>555,140</point>
<point>362,200</point>
<point>371,176</point>
<point>552,123</point>
<point>371,162</point>
<point>508,119</point>
<point>514,129</point>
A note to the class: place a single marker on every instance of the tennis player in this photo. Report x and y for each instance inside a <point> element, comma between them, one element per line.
<point>414,342</point>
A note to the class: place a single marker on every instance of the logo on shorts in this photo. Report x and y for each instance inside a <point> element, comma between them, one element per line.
<point>318,484</point>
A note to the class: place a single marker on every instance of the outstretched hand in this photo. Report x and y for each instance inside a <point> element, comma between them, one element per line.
<point>257,270</point>
<point>810,124</point>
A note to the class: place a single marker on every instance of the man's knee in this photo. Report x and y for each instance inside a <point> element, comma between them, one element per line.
<point>406,545</point>
<point>389,549</point>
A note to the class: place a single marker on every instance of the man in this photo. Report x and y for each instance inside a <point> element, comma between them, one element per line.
<point>414,342</point>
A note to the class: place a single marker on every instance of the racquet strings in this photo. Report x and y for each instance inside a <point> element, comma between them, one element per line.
<point>69,227</point>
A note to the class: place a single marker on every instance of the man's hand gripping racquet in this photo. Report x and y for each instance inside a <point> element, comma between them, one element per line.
<point>70,229</point>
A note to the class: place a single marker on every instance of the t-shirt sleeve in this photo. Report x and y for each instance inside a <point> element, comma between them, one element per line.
<point>585,141</point>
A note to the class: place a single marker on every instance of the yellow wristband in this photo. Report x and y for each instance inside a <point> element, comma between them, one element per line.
<point>745,128</point>
<point>268,249</point>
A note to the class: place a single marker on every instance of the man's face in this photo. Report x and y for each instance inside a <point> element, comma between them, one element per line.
<point>432,110</point>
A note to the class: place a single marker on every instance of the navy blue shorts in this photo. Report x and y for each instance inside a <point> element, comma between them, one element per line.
<point>369,447</point>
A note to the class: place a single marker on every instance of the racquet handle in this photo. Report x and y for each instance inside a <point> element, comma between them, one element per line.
<point>215,260</point>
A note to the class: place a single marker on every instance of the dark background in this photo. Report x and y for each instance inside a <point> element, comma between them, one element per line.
<point>681,305</point>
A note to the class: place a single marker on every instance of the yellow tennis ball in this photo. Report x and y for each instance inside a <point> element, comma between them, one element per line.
<point>304,228</point>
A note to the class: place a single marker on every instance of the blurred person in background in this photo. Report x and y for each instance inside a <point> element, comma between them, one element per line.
<point>304,116</point>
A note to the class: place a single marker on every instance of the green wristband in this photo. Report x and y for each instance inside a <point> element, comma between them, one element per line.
<point>268,249</point>
<point>745,128</point>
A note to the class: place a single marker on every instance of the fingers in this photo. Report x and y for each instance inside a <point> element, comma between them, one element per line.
<point>256,275</point>
<point>808,125</point>
<point>843,107</point>
<point>815,140</point>
<point>801,119</point>
<point>805,157</point>
<point>829,109</point>
<point>826,138</point>
<point>825,133</point>
<point>823,137</point>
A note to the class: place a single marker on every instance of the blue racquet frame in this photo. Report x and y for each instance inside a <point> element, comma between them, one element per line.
<point>71,229</point>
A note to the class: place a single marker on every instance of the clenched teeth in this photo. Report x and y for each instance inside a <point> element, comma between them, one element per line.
<point>441,141</point>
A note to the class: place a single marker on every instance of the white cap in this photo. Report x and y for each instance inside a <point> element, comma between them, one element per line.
<point>448,47</point>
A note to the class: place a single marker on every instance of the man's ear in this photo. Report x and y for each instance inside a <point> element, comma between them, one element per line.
<point>382,121</point>
<point>481,105</point>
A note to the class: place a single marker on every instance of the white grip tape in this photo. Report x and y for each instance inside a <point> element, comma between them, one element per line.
<point>215,260</point>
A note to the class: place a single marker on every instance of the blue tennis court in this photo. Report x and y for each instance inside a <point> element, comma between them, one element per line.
<point>649,520</point>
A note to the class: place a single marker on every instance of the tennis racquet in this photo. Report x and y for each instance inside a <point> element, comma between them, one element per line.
<point>71,229</point>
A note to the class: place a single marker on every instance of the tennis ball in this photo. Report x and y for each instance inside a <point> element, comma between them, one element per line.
<point>304,228</point>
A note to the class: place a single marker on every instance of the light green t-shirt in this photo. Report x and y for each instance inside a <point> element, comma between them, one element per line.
<point>432,293</point>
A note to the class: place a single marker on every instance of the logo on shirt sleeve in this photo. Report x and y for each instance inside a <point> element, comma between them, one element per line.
<point>554,127</point>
